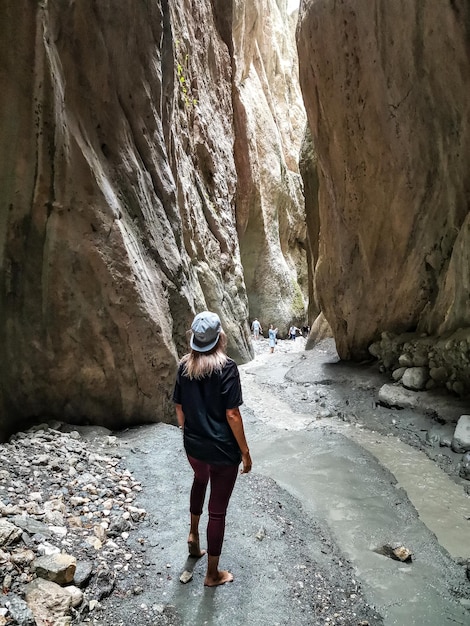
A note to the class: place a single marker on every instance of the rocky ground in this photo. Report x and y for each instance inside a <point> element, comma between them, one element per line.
<point>72,493</point>
<point>94,524</point>
<point>63,493</point>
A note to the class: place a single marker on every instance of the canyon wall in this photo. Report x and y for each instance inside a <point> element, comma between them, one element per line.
<point>117,205</point>
<point>269,127</point>
<point>118,194</point>
<point>385,85</point>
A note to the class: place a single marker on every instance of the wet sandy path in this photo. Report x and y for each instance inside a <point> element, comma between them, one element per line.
<point>369,489</point>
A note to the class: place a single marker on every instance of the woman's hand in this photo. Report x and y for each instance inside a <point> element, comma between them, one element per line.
<point>235,422</point>
<point>180,415</point>
<point>246,460</point>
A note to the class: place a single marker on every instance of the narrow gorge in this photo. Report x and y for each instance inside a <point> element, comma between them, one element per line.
<point>163,157</point>
<point>303,163</point>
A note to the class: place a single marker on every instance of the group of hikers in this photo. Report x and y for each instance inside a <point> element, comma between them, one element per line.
<point>272,332</point>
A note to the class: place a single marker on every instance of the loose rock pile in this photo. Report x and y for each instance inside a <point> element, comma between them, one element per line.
<point>418,363</point>
<point>67,508</point>
<point>421,362</point>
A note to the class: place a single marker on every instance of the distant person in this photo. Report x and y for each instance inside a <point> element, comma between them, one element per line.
<point>272,333</point>
<point>207,395</point>
<point>293,332</point>
<point>305,330</point>
<point>256,328</point>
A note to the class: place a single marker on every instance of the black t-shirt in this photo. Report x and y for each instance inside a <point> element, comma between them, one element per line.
<point>207,434</point>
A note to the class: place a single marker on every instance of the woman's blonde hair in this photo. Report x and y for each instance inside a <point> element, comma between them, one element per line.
<point>196,365</point>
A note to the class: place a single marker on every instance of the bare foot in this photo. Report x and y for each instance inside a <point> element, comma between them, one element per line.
<point>194,548</point>
<point>222,577</point>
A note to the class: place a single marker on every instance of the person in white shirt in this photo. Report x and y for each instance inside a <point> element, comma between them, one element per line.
<point>293,332</point>
<point>256,328</point>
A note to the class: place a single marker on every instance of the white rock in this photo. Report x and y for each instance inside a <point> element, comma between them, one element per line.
<point>405,360</point>
<point>461,438</point>
<point>78,500</point>
<point>415,378</point>
<point>186,576</point>
<point>99,532</point>
<point>46,549</point>
<point>95,542</point>
<point>61,531</point>
<point>4,557</point>
<point>22,557</point>
<point>76,594</point>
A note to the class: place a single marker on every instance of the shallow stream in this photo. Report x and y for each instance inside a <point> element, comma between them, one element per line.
<point>370,489</point>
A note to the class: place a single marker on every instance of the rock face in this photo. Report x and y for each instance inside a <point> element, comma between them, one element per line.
<point>309,171</point>
<point>118,188</point>
<point>117,205</point>
<point>269,127</point>
<point>386,85</point>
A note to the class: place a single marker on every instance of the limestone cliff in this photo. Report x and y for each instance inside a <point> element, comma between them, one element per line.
<point>119,191</point>
<point>269,127</point>
<point>386,85</point>
<point>117,218</point>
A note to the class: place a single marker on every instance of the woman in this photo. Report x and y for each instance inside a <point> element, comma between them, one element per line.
<point>272,337</point>
<point>207,396</point>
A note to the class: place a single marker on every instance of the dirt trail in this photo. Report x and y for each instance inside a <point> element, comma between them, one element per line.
<point>303,526</point>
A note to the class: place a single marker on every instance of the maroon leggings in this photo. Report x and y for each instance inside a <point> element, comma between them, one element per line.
<point>222,479</point>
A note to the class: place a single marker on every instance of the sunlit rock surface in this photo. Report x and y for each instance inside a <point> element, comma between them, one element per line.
<point>117,214</point>
<point>269,127</point>
<point>386,89</point>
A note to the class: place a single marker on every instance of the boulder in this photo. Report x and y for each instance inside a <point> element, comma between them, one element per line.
<point>398,373</point>
<point>320,330</point>
<point>59,568</point>
<point>415,378</point>
<point>461,438</point>
<point>464,471</point>
<point>48,602</point>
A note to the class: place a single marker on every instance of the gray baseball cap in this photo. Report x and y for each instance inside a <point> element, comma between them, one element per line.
<point>206,329</point>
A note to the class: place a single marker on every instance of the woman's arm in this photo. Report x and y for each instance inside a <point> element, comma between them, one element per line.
<point>179,415</point>
<point>235,422</point>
